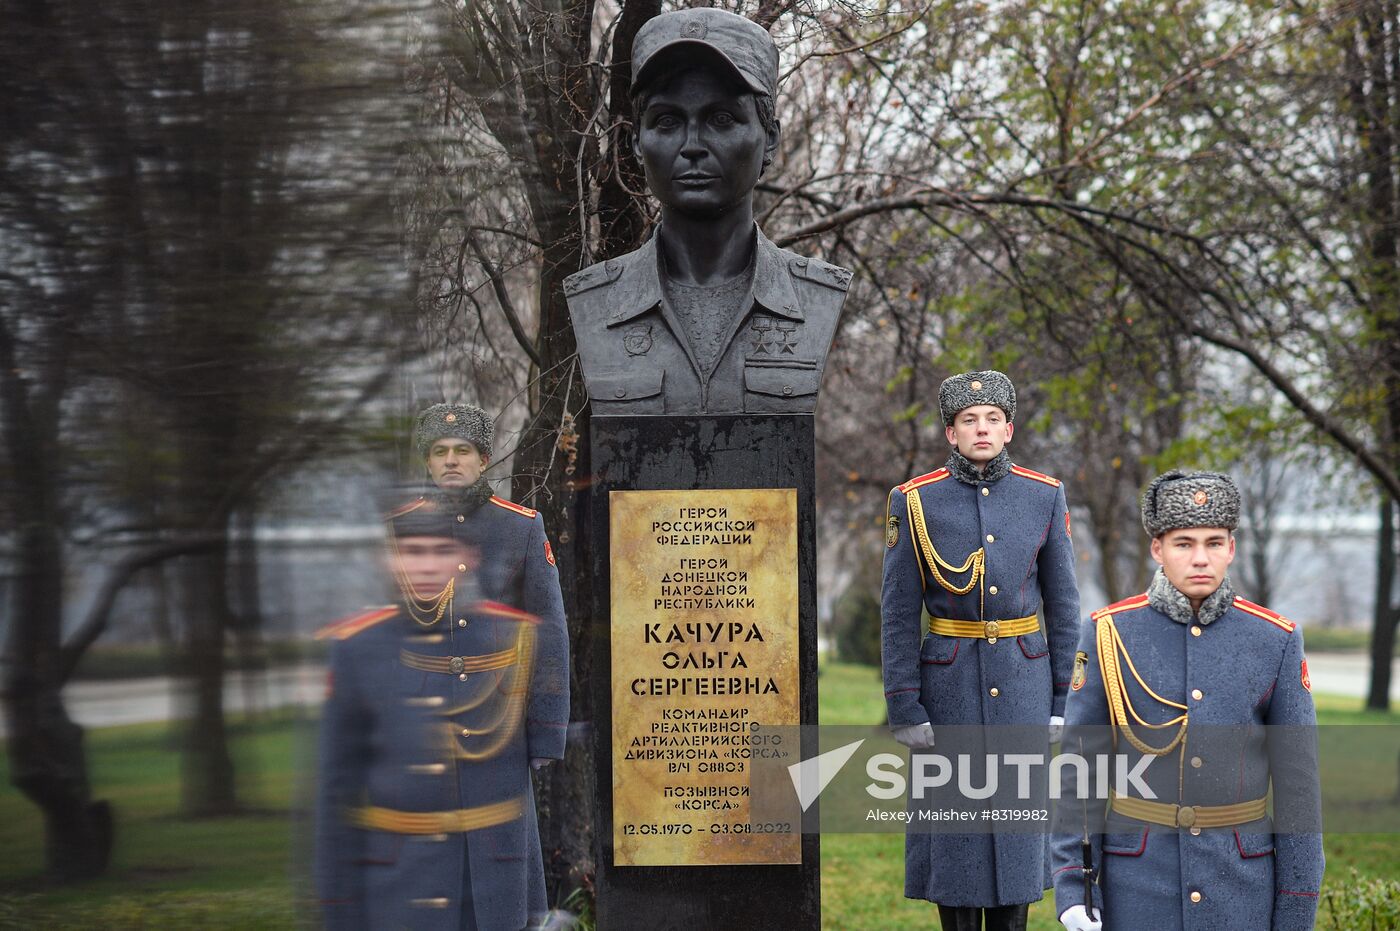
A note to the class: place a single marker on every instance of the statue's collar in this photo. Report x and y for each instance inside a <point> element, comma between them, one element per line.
<point>639,284</point>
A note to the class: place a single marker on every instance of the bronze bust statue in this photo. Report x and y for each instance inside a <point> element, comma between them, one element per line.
<point>708,316</point>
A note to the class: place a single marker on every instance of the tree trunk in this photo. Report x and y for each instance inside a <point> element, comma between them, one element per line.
<point>47,760</point>
<point>207,768</point>
<point>1385,616</point>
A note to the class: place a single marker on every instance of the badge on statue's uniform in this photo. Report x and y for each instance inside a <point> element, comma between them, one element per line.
<point>637,340</point>
<point>1081,663</point>
<point>892,531</point>
<point>548,553</point>
<point>1307,681</point>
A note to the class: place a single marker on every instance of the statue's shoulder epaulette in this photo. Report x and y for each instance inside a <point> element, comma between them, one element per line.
<point>512,506</point>
<point>594,276</point>
<point>1118,607</point>
<point>345,628</point>
<point>406,508</point>
<point>833,276</point>
<point>937,475</point>
<point>1035,476</point>
<point>1273,617</point>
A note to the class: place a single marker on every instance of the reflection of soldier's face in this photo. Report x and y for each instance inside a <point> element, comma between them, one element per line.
<point>429,563</point>
<point>701,142</point>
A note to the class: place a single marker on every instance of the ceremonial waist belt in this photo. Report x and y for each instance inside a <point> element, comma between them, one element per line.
<point>985,630</point>
<point>459,664</point>
<point>1186,816</point>
<point>437,822</point>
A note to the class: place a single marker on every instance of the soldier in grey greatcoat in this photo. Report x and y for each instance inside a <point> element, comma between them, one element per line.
<point>982,544</point>
<point>708,316</point>
<point>439,705</point>
<point>1203,855</point>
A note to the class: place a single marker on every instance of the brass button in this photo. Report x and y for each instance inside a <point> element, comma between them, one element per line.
<point>991,589</point>
<point>463,677</point>
<point>450,418</point>
<point>975,386</point>
<point>456,664</point>
<point>1195,897</point>
<point>994,691</point>
<point>621,392</point>
<point>1196,762</point>
<point>1195,631</point>
<point>461,567</point>
<point>1195,832</point>
<point>460,518</point>
<point>461,622</point>
<point>466,733</point>
<point>1197,694</point>
<point>991,538</point>
<point>787,390</point>
<point>985,492</point>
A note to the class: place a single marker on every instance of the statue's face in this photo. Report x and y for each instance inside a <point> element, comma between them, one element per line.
<point>701,142</point>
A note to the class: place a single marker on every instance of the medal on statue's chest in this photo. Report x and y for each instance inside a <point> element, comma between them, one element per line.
<point>637,339</point>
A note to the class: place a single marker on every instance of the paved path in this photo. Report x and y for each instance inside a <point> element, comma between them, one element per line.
<point>133,701</point>
<point>105,702</point>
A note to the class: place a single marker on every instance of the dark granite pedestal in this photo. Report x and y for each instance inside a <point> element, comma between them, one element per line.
<point>728,452</point>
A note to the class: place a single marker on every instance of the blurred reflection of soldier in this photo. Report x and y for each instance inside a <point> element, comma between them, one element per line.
<point>983,545</point>
<point>438,706</point>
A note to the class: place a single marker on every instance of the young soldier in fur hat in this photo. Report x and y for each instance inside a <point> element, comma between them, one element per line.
<point>984,545</point>
<point>477,657</point>
<point>1202,855</point>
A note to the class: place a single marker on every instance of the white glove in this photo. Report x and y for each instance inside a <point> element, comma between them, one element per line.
<point>1075,918</point>
<point>1057,728</point>
<point>915,736</point>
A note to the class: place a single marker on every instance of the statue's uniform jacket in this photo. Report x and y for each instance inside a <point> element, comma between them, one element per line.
<point>636,358</point>
<point>392,736</point>
<point>1247,668</point>
<point>1021,521</point>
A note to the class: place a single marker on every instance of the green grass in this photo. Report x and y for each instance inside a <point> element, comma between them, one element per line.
<point>167,871</point>
<point>863,874</point>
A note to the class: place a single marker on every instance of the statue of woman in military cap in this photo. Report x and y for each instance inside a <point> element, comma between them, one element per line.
<point>708,316</point>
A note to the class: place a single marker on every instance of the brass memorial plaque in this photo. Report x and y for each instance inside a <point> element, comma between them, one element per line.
<point>704,649</point>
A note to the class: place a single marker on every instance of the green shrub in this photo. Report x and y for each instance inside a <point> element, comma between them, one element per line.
<point>1361,904</point>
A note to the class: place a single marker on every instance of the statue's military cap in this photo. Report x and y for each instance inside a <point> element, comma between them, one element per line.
<point>742,44</point>
<point>972,388</point>
<point>1179,500</point>
<point>460,421</point>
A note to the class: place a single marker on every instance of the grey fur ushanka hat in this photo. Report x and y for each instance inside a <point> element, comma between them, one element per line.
<point>971,388</point>
<point>1178,500</point>
<point>460,421</point>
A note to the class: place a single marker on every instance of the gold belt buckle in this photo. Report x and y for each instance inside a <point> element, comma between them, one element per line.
<point>456,664</point>
<point>992,629</point>
<point>1185,816</point>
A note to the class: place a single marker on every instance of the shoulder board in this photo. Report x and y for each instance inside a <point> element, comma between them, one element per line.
<point>1035,476</point>
<point>833,276</point>
<point>937,475</point>
<point>1127,604</point>
<point>345,628</point>
<point>1278,620</point>
<point>512,506</point>
<point>408,508</point>
<point>594,276</point>
<point>496,609</point>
